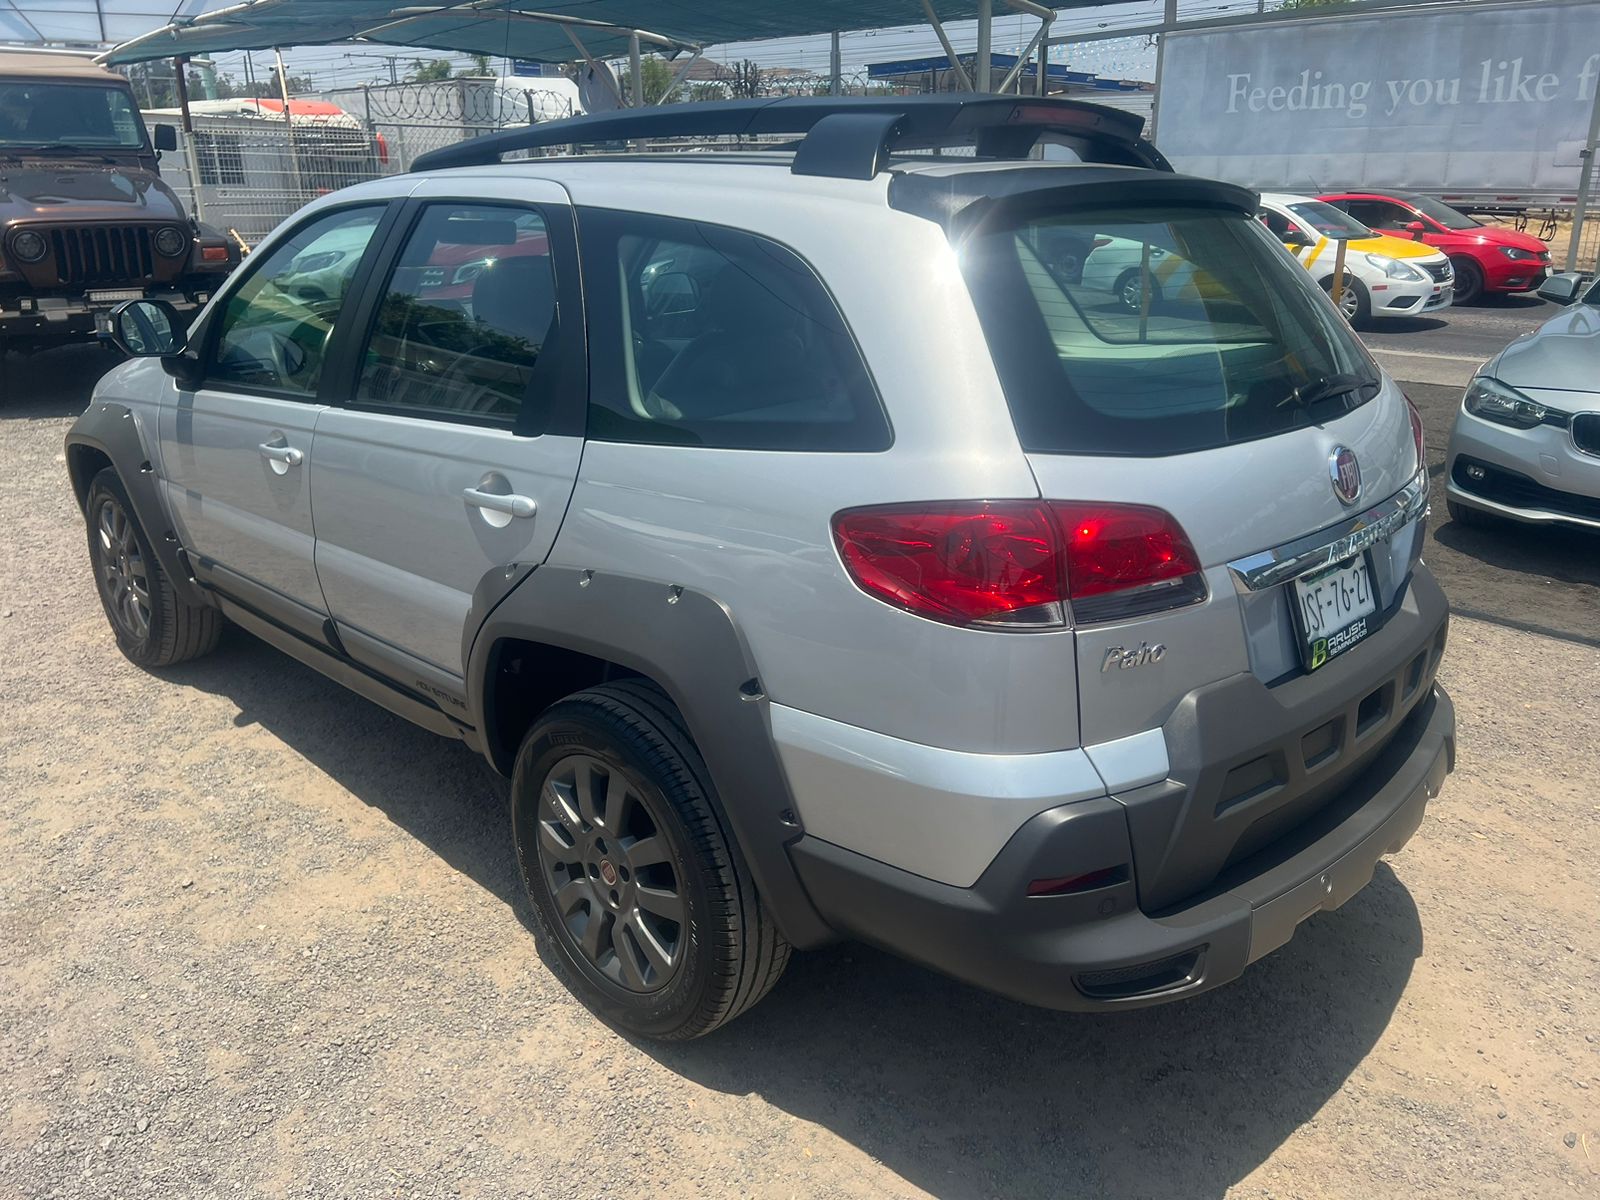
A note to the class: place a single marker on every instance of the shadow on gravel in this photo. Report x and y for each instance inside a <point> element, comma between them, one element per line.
<point>52,383</point>
<point>959,1092</point>
<point>969,1096</point>
<point>437,790</point>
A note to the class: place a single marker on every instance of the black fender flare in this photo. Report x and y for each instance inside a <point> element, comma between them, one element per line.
<point>111,430</point>
<point>690,644</point>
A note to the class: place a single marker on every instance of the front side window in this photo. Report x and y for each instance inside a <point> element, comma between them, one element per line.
<point>465,315</point>
<point>708,336</point>
<point>1325,219</point>
<point>73,115</point>
<point>276,326</point>
<point>1156,331</point>
<point>1381,214</point>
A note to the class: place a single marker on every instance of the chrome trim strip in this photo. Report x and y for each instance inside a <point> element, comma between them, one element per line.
<point>1268,568</point>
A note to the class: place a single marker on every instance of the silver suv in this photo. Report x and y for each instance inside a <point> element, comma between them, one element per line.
<point>819,551</point>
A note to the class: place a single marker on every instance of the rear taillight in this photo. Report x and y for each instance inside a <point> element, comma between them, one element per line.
<point>1014,563</point>
<point>1416,434</point>
<point>1126,560</point>
<point>985,563</point>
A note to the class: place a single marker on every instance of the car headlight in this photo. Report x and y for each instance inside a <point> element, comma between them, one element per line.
<point>1394,268</point>
<point>171,241</point>
<point>1517,253</point>
<point>29,247</point>
<point>1494,401</point>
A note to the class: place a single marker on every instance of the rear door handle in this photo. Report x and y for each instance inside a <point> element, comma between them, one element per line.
<point>291,456</point>
<point>512,506</point>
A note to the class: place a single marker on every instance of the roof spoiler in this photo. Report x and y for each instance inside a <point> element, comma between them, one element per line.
<point>844,138</point>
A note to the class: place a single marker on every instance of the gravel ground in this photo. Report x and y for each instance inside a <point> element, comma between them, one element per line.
<point>258,938</point>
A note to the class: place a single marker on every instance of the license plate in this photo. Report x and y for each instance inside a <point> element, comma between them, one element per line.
<point>1334,610</point>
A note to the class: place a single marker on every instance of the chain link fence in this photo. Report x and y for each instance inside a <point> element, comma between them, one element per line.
<point>246,166</point>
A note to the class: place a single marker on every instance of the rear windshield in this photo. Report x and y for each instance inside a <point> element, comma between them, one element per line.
<point>1157,331</point>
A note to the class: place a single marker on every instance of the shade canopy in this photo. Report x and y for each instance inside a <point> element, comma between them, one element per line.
<point>535,30</point>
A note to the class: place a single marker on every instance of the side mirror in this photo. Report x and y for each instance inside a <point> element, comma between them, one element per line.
<point>1562,289</point>
<point>166,137</point>
<point>147,329</point>
<point>1414,227</point>
<point>1293,237</point>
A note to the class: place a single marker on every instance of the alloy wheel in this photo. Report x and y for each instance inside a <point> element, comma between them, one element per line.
<point>123,574</point>
<point>610,872</point>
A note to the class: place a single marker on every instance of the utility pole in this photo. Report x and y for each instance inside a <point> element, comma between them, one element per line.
<point>835,68</point>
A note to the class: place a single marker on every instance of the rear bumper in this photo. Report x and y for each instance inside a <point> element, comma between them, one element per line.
<point>1097,949</point>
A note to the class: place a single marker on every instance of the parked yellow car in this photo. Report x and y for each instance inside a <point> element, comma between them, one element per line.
<point>1384,276</point>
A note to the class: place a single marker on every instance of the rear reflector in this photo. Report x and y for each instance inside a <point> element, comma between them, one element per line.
<point>1071,885</point>
<point>1014,563</point>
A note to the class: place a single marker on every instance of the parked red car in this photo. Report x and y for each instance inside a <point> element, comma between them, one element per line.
<point>1487,258</point>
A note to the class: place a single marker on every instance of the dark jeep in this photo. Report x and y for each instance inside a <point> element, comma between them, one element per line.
<point>85,219</point>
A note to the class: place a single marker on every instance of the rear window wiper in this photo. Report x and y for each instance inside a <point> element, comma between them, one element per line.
<point>1330,387</point>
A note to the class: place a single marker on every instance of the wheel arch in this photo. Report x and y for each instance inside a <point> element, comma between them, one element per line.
<point>108,435</point>
<point>562,629</point>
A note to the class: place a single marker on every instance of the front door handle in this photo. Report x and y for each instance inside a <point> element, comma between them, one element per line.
<point>512,506</point>
<point>289,456</point>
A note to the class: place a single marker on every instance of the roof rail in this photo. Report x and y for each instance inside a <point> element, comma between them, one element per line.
<point>845,138</point>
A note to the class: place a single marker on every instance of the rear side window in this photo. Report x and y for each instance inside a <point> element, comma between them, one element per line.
<point>1156,331</point>
<point>706,336</point>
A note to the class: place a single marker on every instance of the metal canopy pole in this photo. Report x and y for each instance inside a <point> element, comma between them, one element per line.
<point>1022,59</point>
<point>1042,84</point>
<point>963,81</point>
<point>1585,181</point>
<point>682,74</point>
<point>636,71</point>
<point>983,79</point>
<point>288,121</point>
<point>191,156</point>
<point>835,68</point>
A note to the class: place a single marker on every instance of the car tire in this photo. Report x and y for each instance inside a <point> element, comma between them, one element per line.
<point>1355,302</point>
<point>642,901</point>
<point>1471,518</point>
<point>154,626</point>
<point>1469,281</point>
<point>1127,292</point>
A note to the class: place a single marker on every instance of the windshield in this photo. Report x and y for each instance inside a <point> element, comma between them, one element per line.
<point>1437,210</point>
<point>1157,331</point>
<point>1329,221</point>
<point>77,115</point>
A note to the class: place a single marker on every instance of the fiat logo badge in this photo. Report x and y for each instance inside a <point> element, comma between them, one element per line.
<point>1346,473</point>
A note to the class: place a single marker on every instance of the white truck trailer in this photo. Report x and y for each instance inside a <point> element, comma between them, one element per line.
<point>1486,106</point>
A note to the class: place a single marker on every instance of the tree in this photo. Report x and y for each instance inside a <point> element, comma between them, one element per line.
<point>748,82</point>
<point>480,65</point>
<point>657,77</point>
<point>433,71</point>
